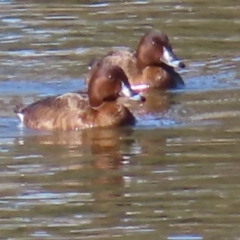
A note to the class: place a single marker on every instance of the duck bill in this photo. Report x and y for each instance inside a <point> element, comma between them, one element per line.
<point>126,91</point>
<point>171,59</point>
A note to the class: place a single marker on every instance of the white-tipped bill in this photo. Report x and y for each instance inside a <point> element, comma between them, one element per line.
<point>128,92</point>
<point>170,59</point>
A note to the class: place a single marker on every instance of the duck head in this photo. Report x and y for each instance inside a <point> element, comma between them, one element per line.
<point>154,48</point>
<point>107,83</point>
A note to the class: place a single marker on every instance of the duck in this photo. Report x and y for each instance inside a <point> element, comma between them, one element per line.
<point>72,111</point>
<point>150,66</point>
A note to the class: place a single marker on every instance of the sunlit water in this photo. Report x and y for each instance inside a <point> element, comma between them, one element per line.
<point>174,176</point>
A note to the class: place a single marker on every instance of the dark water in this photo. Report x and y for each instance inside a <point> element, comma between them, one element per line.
<point>174,176</point>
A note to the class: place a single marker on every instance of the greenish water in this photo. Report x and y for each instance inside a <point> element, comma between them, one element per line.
<point>175,175</point>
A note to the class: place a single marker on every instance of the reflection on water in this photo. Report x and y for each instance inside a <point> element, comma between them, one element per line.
<point>173,176</point>
<point>115,182</point>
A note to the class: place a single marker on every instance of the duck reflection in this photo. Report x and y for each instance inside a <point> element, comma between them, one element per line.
<point>103,148</point>
<point>86,161</point>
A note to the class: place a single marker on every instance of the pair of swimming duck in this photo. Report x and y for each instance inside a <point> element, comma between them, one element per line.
<point>119,73</point>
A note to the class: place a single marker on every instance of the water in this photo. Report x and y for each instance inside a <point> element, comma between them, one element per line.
<point>175,175</point>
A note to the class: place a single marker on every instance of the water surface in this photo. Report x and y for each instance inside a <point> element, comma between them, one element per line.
<point>175,175</point>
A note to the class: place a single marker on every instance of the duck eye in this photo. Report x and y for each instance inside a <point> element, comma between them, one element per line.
<point>153,43</point>
<point>110,76</point>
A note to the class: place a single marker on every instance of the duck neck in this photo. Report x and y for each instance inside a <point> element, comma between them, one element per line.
<point>99,104</point>
<point>95,103</point>
<point>142,62</point>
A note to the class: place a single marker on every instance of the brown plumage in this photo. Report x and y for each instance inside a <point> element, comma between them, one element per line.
<point>71,111</point>
<point>151,65</point>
